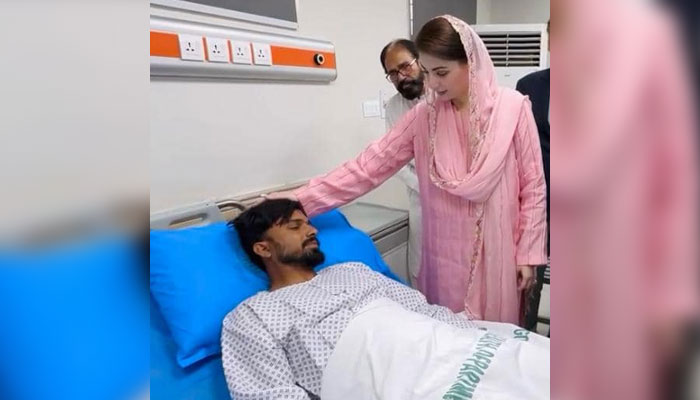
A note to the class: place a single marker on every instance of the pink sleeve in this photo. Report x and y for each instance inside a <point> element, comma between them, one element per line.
<point>376,163</point>
<point>532,227</point>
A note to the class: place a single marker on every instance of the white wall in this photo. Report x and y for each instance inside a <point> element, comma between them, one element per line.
<point>213,139</point>
<point>74,115</point>
<point>512,11</point>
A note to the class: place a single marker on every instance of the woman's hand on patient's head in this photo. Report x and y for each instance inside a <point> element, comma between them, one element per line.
<point>287,194</point>
<point>271,196</point>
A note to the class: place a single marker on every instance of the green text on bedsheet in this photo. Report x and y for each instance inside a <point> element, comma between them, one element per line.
<point>474,368</point>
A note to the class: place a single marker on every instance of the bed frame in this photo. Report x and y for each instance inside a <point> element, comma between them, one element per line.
<point>210,211</point>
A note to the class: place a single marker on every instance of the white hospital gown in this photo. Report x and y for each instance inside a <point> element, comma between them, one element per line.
<point>275,345</point>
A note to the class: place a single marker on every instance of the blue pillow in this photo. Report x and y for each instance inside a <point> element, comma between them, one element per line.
<point>75,322</point>
<point>200,274</point>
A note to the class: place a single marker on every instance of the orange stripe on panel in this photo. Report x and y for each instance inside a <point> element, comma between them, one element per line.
<point>164,44</point>
<point>294,57</point>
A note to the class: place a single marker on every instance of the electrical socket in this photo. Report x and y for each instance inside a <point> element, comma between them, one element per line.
<point>191,47</point>
<point>262,54</point>
<point>217,50</point>
<point>240,52</point>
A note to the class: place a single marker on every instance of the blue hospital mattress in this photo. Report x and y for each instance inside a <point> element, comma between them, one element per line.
<point>201,381</point>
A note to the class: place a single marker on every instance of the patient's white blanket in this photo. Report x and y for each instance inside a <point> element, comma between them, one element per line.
<point>390,353</point>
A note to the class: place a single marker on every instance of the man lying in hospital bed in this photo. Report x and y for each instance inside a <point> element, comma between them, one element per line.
<point>351,333</point>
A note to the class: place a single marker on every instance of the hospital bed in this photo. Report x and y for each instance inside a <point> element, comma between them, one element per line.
<point>204,380</point>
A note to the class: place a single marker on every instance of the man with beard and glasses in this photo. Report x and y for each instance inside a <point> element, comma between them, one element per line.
<point>399,59</point>
<point>276,344</point>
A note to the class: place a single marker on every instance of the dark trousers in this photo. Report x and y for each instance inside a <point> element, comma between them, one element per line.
<point>533,300</point>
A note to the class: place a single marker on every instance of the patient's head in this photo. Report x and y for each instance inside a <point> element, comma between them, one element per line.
<point>277,232</point>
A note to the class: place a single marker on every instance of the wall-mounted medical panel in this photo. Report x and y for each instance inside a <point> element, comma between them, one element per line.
<point>189,49</point>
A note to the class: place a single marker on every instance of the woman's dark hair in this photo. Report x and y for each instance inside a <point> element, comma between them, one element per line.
<point>405,43</point>
<point>438,38</point>
<point>252,224</point>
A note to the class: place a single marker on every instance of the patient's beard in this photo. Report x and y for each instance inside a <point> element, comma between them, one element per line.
<point>310,257</point>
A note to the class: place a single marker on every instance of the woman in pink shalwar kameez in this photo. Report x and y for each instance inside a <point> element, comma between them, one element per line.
<point>480,173</point>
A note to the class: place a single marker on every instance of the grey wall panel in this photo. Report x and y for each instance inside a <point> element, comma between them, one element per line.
<point>424,10</point>
<point>281,9</point>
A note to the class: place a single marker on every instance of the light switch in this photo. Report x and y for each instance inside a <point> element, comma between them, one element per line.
<point>371,108</point>
<point>217,50</point>
<point>191,47</point>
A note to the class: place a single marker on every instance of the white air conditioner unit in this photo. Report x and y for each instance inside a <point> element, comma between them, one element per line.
<point>516,49</point>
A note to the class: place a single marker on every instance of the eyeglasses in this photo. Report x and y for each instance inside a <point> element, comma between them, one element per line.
<point>403,69</point>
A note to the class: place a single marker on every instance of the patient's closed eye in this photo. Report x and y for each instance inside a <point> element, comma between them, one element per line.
<point>294,225</point>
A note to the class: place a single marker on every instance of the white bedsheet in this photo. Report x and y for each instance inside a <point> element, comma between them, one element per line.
<point>390,353</point>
